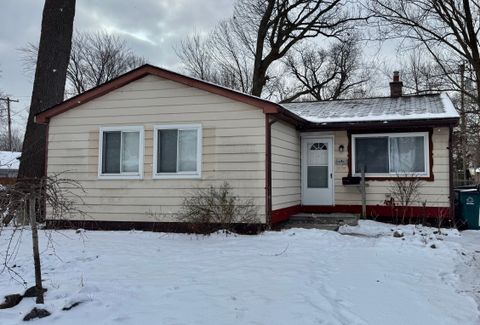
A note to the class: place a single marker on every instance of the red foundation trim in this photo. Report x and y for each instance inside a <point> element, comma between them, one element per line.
<point>285,213</point>
<point>374,211</point>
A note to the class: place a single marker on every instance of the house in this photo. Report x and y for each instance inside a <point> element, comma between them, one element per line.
<point>139,143</point>
<point>9,164</point>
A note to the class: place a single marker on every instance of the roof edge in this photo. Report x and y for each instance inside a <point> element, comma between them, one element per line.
<point>440,122</point>
<point>147,69</point>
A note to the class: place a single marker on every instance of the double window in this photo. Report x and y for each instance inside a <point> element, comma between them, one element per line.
<point>121,152</point>
<point>176,152</point>
<point>394,154</point>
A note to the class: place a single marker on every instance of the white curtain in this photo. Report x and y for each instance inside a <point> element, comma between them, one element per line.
<point>407,155</point>
<point>130,151</point>
<point>187,147</point>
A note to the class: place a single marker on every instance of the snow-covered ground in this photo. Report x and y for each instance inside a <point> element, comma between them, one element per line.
<point>296,276</point>
<point>9,160</point>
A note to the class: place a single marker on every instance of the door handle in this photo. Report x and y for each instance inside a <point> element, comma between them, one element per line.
<point>331,175</point>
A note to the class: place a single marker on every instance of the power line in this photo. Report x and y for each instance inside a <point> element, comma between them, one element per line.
<point>9,100</point>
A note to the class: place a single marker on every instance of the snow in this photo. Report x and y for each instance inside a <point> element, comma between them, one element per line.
<point>9,160</point>
<point>362,275</point>
<point>380,109</point>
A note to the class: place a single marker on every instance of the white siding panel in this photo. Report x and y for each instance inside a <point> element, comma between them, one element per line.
<point>233,148</point>
<point>285,165</point>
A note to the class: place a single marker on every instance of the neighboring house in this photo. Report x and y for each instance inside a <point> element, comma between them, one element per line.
<point>9,164</point>
<point>139,143</point>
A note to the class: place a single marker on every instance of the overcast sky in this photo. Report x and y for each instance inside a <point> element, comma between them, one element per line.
<point>150,28</point>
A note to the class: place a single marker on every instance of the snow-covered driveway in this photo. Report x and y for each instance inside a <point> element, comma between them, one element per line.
<point>292,277</point>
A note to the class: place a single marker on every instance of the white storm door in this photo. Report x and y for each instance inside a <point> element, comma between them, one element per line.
<point>317,171</point>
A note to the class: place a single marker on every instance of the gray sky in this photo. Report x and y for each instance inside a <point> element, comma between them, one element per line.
<point>150,28</point>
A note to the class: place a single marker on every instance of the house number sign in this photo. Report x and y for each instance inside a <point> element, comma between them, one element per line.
<point>341,162</point>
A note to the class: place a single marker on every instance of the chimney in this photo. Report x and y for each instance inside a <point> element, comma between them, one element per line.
<point>396,85</point>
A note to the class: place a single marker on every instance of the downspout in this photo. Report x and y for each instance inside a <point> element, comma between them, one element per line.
<point>450,173</point>
<point>268,169</point>
<point>46,149</point>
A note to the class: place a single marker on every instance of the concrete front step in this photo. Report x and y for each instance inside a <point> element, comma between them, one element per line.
<point>323,226</point>
<point>321,221</point>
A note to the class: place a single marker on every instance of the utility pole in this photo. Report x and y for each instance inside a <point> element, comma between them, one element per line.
<point>9,118</point>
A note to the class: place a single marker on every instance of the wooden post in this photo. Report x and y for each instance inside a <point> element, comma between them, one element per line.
<point>364,193</point>
<point>36,252</point>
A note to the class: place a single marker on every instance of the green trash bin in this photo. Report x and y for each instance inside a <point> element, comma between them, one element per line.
<point>468,208</point>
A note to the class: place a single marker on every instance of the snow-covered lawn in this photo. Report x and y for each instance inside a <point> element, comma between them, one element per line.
<point>297,276</point>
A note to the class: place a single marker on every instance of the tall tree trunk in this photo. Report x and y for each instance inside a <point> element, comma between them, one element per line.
<point>49,82</point>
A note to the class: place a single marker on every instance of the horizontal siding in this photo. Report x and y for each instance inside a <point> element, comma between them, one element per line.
<point>233,149</point>
<point>286,189</point>
<point>434,193</point>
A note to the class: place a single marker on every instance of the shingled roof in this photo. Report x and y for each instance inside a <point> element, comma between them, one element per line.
<point>418,107</point>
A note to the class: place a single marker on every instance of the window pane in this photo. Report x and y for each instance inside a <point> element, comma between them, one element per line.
<point>407,155</point>
<point>130,151</point>
<point>187,147</point>
<point>371,153</point>
<point>167,151</point>
<point>317,153</point>
<point>111,152</point>
<point>317,176</point>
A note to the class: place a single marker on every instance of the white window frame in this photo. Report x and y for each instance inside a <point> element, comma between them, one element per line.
<point>198,172</point>
<point>124,175</point>
<point>426,160</point>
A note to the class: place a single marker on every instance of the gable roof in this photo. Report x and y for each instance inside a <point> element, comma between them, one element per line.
<point>381,109</point>
<point>147,69</point>
<point>421,109</point>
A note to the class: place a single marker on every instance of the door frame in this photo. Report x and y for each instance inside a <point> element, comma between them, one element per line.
<point>303,161</point>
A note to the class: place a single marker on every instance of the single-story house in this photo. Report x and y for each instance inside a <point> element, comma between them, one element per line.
<point>9,163</point>
<point>139,143</point>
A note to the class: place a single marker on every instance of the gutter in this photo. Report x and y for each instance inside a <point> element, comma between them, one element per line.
<point>309,126</point>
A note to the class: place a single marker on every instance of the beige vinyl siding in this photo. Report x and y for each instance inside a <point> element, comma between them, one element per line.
<point>233,148</point>
<point>286,188</point>
<point>436,193</point>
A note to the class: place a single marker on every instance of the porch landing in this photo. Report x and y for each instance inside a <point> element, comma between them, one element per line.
<point>326,221</point>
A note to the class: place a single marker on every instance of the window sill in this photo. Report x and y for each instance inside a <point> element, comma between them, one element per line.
<point>177,176</point>
<point>119,177</point>
<point>427,178</point>
<point>408,175</point>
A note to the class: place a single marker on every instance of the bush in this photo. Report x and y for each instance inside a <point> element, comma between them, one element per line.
<point>214,208</point>
<point>405,192</point>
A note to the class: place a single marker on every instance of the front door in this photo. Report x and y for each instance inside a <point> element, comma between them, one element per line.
<point>317,171</point>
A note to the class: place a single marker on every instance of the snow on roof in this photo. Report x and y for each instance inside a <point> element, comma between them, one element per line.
<point>435,106</point>
<point>9,160</point>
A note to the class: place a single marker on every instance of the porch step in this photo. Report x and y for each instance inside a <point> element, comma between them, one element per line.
<point>320,221</point>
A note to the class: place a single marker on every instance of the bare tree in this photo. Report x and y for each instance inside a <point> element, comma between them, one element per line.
<point>16,141</point>
<point>447,29</point>
<point>325,74</point>
<point>48,90</point>
<point>218,57</point>
<point>196,54</point>
<point>247,48</point>
<point>19,200</point>
<point>421,75</point>
<point>95,59</point>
